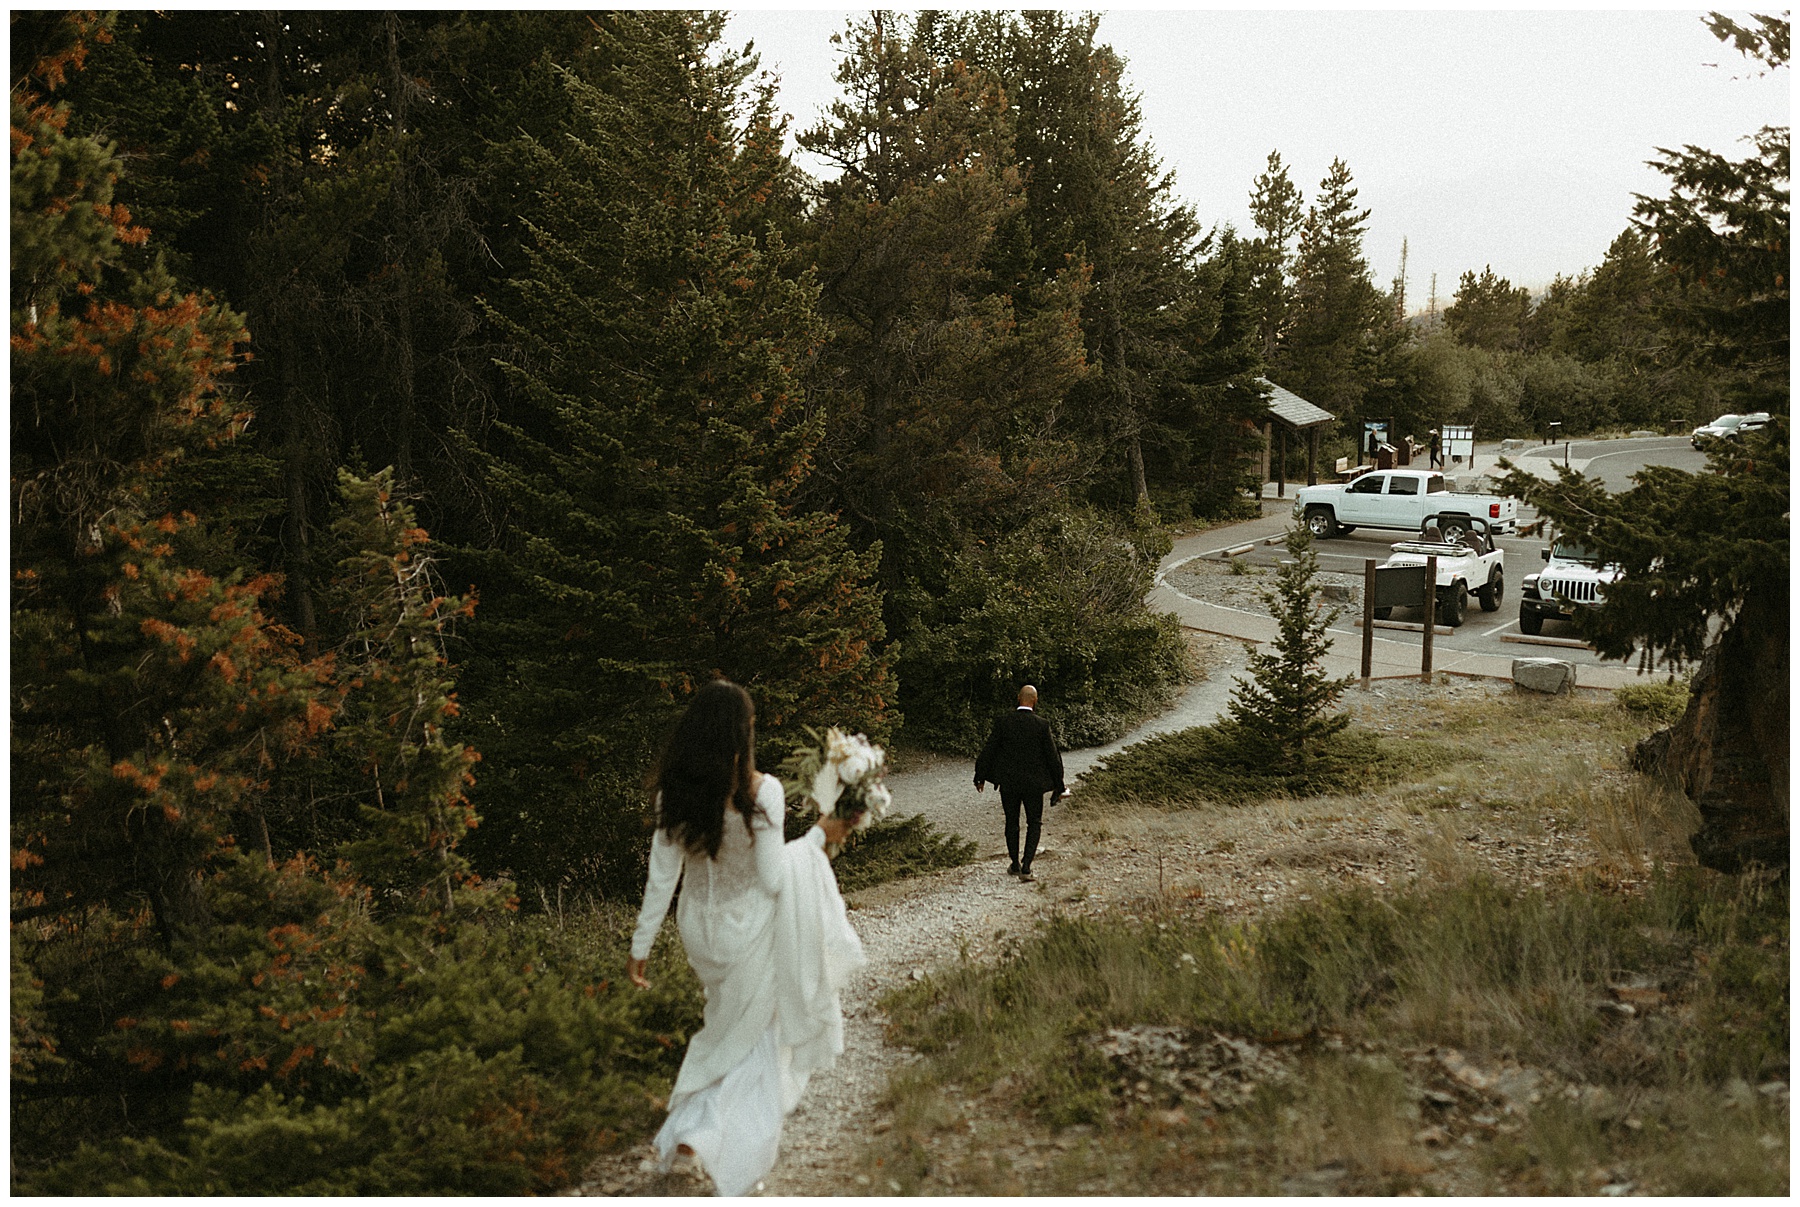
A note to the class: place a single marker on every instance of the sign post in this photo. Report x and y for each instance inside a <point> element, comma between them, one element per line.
<point>1430,616</point>
<point>1368,650</point>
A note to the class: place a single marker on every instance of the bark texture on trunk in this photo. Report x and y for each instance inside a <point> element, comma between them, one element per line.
<point>1729,751</point>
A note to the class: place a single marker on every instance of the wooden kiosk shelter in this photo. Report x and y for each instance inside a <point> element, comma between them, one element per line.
<point>1290,414</point>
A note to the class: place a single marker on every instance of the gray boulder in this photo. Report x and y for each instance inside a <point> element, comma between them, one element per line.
<point>1552,676</point>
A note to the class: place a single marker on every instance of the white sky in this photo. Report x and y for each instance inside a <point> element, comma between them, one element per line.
<point>1510,138</point>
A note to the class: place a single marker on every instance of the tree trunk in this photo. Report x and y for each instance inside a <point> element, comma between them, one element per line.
<point>1729,751</point>
<point>1140,489</point>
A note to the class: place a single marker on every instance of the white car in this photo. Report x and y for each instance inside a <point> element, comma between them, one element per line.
<point>1727,427</point>
<point>1573,579</point>
<point>1471,564</point>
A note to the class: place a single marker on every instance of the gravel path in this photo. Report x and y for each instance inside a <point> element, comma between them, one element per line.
<point>1235,860</point>
<point>906,928</point>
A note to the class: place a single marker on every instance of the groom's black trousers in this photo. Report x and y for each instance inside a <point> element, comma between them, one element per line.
<point>1010,800</point>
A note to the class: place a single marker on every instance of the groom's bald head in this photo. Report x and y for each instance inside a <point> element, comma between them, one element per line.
<point>1028,696</point>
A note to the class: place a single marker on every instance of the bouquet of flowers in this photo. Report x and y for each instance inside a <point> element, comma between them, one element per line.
<point>842,774</point>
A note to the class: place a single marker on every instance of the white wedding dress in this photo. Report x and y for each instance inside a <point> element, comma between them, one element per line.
<point>766,932</point>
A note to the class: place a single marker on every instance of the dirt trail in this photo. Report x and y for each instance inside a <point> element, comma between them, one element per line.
<point>908,927</point>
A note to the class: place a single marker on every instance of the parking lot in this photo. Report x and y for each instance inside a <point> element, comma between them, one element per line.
<point>1486,633</point>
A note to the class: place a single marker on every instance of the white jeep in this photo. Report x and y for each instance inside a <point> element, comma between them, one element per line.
<point>1573,578</point>
<point>1471,564</point>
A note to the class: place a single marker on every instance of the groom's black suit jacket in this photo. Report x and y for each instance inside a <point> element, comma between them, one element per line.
<point>1020,755</point>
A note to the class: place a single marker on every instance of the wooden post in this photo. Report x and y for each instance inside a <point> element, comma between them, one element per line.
<point>1430,616</point>
<point>1312,457</point>
<point>1368,661</point>
<point>1268,434</point>
<point>1281,468</point>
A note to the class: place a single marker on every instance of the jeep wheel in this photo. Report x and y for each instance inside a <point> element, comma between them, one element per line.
<point>1321,522</point>
<point>1453,529</point>
<point>1452,603</point>
<point>1531,623</point>
<point>1494,592</point>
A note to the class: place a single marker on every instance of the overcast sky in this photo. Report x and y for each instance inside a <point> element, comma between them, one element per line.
<point>1514,139</point>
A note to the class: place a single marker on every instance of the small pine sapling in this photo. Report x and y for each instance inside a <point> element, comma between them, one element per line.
<point>1281,717</point>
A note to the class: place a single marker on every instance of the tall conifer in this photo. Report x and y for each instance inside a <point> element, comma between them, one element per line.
<point>651,466</point>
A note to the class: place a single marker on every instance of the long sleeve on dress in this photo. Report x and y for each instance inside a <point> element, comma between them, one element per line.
<point>665,874</point>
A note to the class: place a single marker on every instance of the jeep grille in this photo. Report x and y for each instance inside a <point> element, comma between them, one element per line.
<point>1583,590</point>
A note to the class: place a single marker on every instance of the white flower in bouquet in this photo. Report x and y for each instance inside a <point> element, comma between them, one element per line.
<point>843,774</point>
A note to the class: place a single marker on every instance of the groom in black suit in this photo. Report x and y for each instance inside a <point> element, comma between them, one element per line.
<point>1020,759</point>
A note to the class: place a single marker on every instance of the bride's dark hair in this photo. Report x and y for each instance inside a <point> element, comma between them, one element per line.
<point>705,763</point>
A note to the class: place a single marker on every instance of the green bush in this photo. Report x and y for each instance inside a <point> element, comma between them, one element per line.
<point>1661,702</point>
<point>894,850</point>
<point>497,1060</point>
<point>891,850</point>
<point>1059,604</point>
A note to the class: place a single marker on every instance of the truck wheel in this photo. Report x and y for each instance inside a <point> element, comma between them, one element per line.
<point>1452,603</point>
<point>1494,592</point>
<point>1531,623</point>
<point>1383,613</point>
<point>1321,522</point>
<point>1453,528</point>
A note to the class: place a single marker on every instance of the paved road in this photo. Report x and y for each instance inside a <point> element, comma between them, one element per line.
<point>1614,461</point>
<point>1483,635</point>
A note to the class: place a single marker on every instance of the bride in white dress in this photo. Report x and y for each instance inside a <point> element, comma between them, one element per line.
<point>765,930</point>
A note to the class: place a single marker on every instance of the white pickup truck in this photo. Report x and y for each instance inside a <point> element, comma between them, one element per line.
<point>1401,499</point>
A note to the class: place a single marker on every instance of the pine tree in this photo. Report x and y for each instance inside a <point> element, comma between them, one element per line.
<point>1488,312</point>
<point>1335,307</point>
<point>950,351</point>
<point>652,468</point>
<point>1279,719</point>
<point>1704,557</point>
<point>1276,208</point>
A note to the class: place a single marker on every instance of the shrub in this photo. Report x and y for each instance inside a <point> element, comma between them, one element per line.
<point>897,849</point>
<point>1661,702</point>
<point>891,850</point>
<point>1058,604</point>
<point>498,1059</point>
<point>1208,763</point>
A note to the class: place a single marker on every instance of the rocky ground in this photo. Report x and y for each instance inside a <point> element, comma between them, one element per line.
<point>1093,860</point>
<point>1217,582</point>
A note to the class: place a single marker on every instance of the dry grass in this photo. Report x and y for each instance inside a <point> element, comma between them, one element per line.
<point>1485,906</point>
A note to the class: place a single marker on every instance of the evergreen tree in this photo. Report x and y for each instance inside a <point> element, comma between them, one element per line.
<point>1704,557</point>
<point>954,291</point>
<point>1488,312</point>
<point>1096,195</point>
<point>1276,207</point>
<point>1722,232</point>
<point>652,472</point>
<point>1335,306</point>
<point>1201,432</point>
<point>1279,719</point>
<point>944,370</point>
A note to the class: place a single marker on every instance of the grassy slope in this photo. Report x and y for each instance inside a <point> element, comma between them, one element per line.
<point>1013,1096</point>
